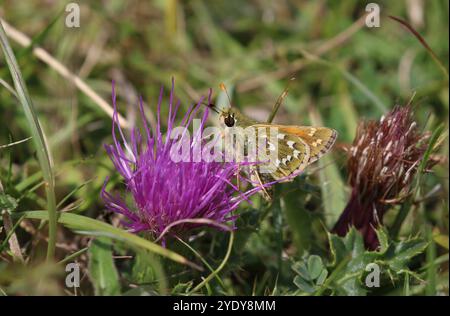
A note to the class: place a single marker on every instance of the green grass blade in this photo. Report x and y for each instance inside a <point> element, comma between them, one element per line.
<point>102,270</point>
<point>350,78</point>
<point>406,207</point>
<point>423,42</point>
<point>73,255</point>
<point>434,143</point>
<point>10,233</point>
<point>203,260</point>
<point>219,268</point>
<point>71,193</point>
<point>95,227</point>
<point>430,289</point>
<point>39,140</point>
<point>39,38</point>
<point>332,186</point>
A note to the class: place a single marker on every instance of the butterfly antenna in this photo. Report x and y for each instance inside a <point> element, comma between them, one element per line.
<point>224,89</point>
<point>211,106</point>
<point>280,100</point>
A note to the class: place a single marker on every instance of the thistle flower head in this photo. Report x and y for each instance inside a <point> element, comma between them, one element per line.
<point>382,161</point>
<point>385,155</point>
<point>168,194</point>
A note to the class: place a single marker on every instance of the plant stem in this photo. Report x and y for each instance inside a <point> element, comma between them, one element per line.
<point>73,255</point>
<point>214,273</point>
<point>202,259</point>
<point>39,140</point>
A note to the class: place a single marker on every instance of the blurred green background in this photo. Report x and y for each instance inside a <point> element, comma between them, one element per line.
<point>345,71</point>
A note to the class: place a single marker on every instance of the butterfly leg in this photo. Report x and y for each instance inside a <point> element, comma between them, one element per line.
<point>267,192</point>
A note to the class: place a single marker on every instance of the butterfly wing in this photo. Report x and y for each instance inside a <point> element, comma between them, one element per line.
<point>293,156</point>
<point>299,146</point>
<point>319,139</point>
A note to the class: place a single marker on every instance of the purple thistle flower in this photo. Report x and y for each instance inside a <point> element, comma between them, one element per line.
<point>167,194</point>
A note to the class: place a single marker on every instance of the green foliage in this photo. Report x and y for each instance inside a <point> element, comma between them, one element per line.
<point>311,274</point>
<point>7,203</point>
<point>350,263</point>
<point>297,217</point>
<point>86,225</point>
<point>102,270</point>
<point>40,142</point>
<point>148,273</point>
<point>144,290</point>
<point>182,288</point>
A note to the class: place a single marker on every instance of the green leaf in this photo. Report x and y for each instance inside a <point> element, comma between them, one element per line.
<point>93,227</point>
<point>301,269</point>
<point>102,271</point>
<point>337,248</point>
<point>383,239</point>
<point>350,259</point>
<point>315,266</point>
<point>311,274</point>
<point>353,287</point>
<point>143,270</point>
<point>297,217</point>
<point>7,203</point>
<point>147,269</point>
<point>144,290</point>
<point>400,254</point>
<point>333,194</point>
<point>322,277</point>
<point>182,288</point>
<point>349,252</point>
<point>304,285</point>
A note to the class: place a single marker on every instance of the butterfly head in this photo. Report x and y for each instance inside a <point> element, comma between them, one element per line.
<point>229,117</point>
<point>232,117</point>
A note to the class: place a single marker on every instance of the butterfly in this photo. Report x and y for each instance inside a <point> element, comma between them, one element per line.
<point>296,146</point>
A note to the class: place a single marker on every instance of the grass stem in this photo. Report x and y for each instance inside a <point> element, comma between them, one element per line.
<point>39,139</point>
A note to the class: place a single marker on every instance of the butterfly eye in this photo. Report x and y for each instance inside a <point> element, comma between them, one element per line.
<point>229,121</point>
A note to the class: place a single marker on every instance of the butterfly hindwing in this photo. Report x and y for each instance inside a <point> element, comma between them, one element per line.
<point>299,146</point>
<point>319,139</point>
<point>293,153</point>
<point>293,156</point>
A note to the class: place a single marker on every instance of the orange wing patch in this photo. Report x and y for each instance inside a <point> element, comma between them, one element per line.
<point>319,139</point>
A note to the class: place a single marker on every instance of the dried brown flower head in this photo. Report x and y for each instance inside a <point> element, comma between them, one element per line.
<point>382,161</point>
